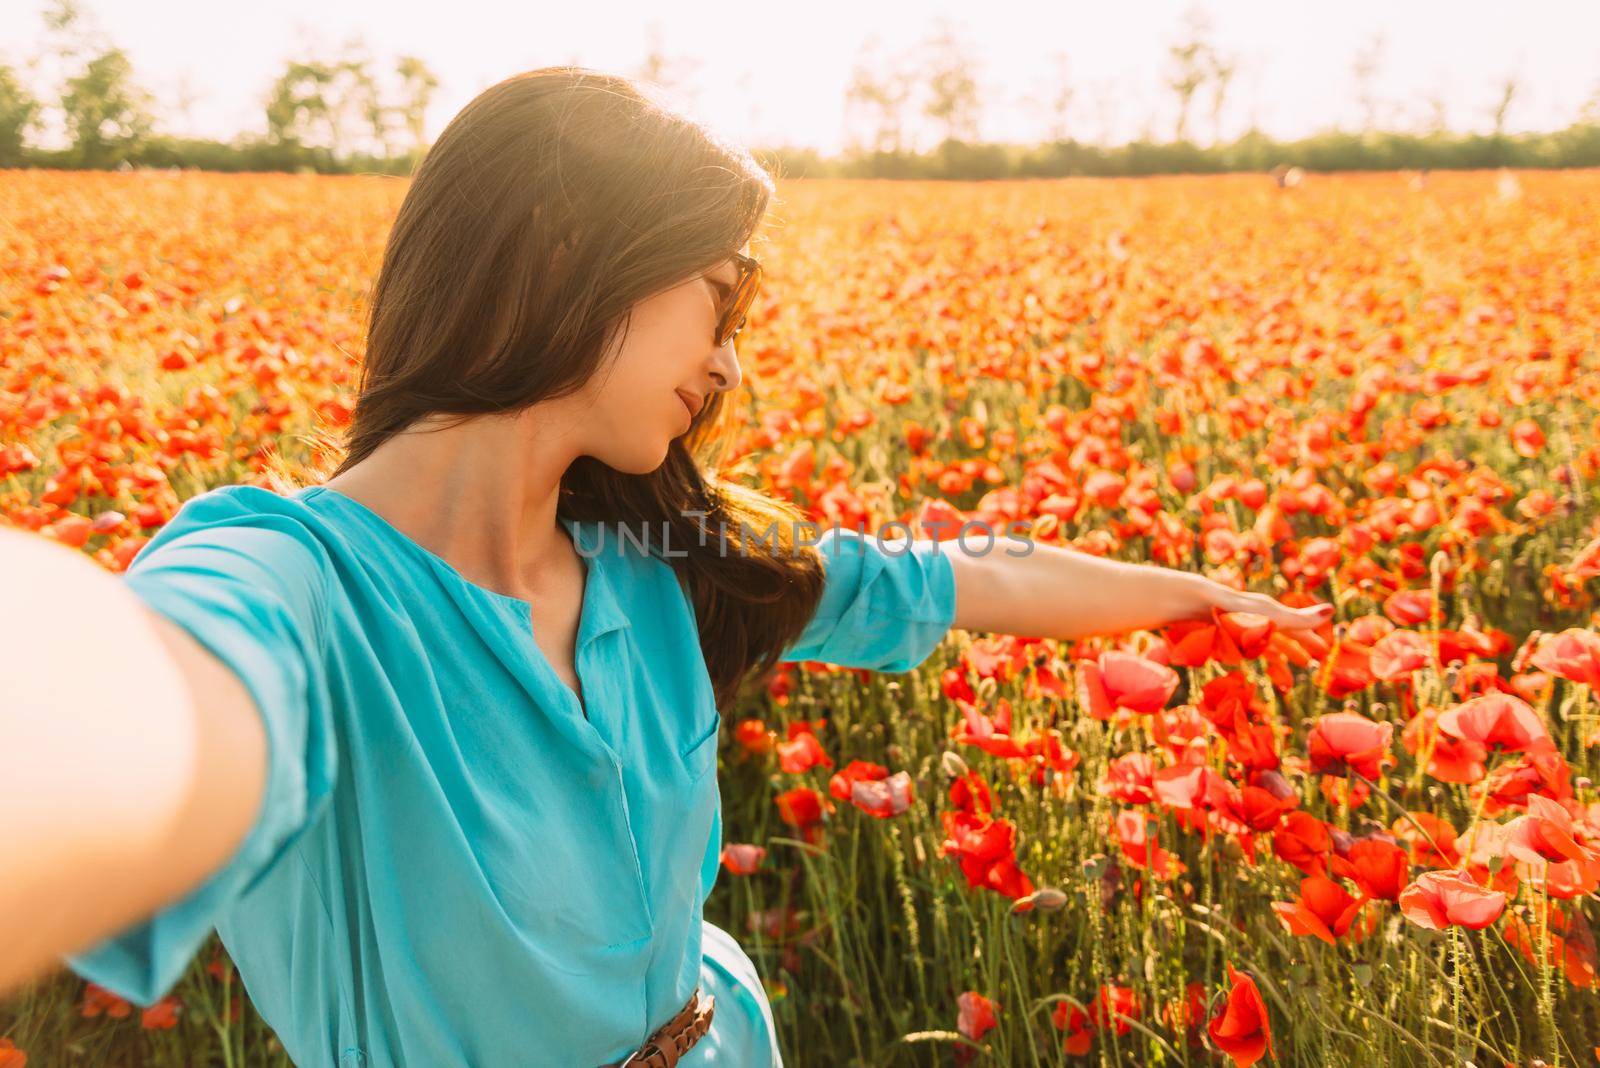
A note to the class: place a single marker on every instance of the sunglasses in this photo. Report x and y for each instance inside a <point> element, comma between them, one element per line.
<point>731,321</point>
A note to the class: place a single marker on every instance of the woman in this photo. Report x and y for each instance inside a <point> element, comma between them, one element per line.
<point>433,744</point>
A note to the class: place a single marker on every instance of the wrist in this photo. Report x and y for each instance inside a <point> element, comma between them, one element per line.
<point>1201,595</point>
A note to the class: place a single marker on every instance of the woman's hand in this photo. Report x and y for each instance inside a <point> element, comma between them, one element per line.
<point>1056,592</point>
<point>1283,616</point>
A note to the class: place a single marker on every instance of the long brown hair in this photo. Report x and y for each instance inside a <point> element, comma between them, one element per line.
<point>551,204</point>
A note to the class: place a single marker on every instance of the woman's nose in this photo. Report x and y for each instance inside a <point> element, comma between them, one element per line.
<point>725,368</point>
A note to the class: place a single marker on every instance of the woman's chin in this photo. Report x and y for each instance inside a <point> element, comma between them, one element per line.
<point>643,465</point>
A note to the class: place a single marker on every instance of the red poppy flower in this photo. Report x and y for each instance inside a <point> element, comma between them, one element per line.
<point>1254,747</point>
<point>840,782</point>
<point>969,793</point>
<point>1538,769</point>
<point>976,1016</point>
<point>163,1015</point>
<point>753,735</point>
<point>1225,638</point>
<point>1190,786</point>
<point>1242,1029</point>
<point>1231,699</point>
<point>1048,755</point>
<point>1409,607</point>
<point>802,753</point>
<point>882,798</point>
<point>989,733</point>
<point>1342,741</point>
<point>1112,1004</point>
<point>953,682</point>
<point>1323,910</point>
<point>1075,1022</point>
<point>1440,899</point>
<point>1546,833</point>
<point>1260,810</point>
<point>1128,779</point>
<point>985,849</point>
<point>1449,759</point>
<point>1131,830</point>
<point>1182,731</point>
<point>802,808</point>
<point>97,1000</point>
<point>1398,653</point>
<point>1496,719</point>
<point>1379,868</point>
<point>1119,680</point>
<point>1573,654</point>
<point>1187,1015</point>
<point>1343,793</point>
<point>1569,944</point>
<point>1303,840</point>
<point>742,858</point>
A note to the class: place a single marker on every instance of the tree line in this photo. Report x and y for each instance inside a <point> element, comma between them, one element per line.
<point>348,113</point>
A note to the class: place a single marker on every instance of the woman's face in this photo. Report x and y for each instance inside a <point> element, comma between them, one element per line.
<point>667,357</point>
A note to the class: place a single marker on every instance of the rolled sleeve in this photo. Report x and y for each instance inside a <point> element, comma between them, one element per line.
<point>885,606</point>
<point>255,594</point>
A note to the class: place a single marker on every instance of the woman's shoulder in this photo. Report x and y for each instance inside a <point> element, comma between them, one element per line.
<point>243,498</point>
<point>250,521</point>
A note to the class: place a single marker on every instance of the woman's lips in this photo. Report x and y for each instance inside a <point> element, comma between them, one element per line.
<point>687,406</point>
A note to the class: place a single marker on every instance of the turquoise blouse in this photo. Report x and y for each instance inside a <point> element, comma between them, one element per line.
<point>452,864</point>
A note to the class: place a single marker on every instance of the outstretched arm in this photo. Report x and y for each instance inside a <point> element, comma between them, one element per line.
<point>133,759</point>
<point>1062,593</point>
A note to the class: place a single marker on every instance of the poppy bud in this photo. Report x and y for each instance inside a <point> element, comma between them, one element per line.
<point>1275,784</point>
<point>1046,898</point>
<point>107,521</point>
<point>952,764</point>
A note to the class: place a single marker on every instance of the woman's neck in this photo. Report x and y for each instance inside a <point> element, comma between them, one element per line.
<point>481,494</point>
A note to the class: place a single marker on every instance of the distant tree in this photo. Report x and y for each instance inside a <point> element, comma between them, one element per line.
<point>1223,69</point>
<point>297,102</point>
<point>1589,113</point>
<point>1437,118</point>
<point>1058,97</point>
<point>1108,99</point>
<point>671,72</point>
<point>326,102</point>
<point>107,115</point>
<point>878,97</point>
<point>1364,69</point>
<point>953,99</point>
<point>19,116</point>
<point>185,97</point>
<point>1508,92</point>
<point>69,29</point>
<point>417,85</point>
<point>1189,65</point>
<point>365,103</point>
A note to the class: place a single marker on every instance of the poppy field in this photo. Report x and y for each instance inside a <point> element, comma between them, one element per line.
<point>1213,843</point>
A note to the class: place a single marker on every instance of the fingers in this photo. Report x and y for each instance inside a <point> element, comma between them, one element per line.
<point>1312,616</point>
<point>1283,615</point>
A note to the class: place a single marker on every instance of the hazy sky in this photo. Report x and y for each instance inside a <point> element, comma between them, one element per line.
<point>775,73</point>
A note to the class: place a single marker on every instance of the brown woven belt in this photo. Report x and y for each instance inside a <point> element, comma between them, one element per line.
<point>674,1038</point>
